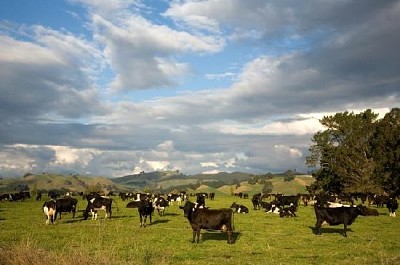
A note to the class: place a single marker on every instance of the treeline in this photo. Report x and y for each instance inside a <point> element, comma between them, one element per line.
<point>357,153</point>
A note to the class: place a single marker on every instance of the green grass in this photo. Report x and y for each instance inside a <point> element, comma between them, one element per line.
<point>261,238</point>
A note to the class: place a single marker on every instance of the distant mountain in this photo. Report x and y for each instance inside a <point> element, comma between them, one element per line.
<point>164,181</point>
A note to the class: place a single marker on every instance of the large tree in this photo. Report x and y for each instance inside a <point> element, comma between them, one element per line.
<point>343,153</point>
<point>385,146</point>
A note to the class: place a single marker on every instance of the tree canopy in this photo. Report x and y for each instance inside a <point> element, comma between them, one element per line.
<point>357,153</point>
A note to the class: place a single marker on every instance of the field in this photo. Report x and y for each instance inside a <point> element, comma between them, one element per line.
<point>261,238</point>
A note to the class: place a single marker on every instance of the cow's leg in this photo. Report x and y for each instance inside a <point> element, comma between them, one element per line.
<point>198,235</point>
<point>194,236</point>
<point>230,236</point>
<point>141,220</point>
<point>344,229</point>
<point>318,225</point>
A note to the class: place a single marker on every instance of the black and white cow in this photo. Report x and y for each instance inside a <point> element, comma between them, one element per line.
<point>145,209</point>
<point>336,216</point>
<point>66,205</point>
<point>392,206</point>
<point>288,211</point>
<point>96,203</point>
<point>215,219</point>
<point>200,200</point>
<point>160,203</point>
<point>239,208</point>
<point>49,209</point>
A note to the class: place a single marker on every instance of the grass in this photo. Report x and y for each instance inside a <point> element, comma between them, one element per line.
<point>261,238</point>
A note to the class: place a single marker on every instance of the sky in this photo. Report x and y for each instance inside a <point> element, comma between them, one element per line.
<point>112,88</point>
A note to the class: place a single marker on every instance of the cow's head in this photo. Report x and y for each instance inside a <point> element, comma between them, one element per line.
<point>187,208</point>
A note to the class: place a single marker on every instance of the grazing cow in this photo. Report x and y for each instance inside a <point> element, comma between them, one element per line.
<point>215,219</point>
<point>49,209</point>
<point>160,203</point>
<point>239,208</point>
<point>392,206</point>
<point>97,203</point>
<point>39,196</point>
<point>66,205</point>
<point>256,199</point>
<point>145,209</point>
<point>336,216</point>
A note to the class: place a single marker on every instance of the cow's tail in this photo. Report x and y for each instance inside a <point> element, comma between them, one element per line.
<point>116,204</point>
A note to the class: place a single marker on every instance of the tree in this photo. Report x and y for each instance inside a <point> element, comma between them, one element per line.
<point>267,188</point>
<point>289,175</point>
<point>386,151</point>
<point>343,153</point>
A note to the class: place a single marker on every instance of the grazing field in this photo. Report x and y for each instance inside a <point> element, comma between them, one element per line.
<point>261,238</point>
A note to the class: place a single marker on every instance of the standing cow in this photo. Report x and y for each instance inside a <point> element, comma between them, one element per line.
<point>215,219</point>
<point>49,209</point>
<point>66,205</point>
<point>96,203</point>
<point>336,216</point>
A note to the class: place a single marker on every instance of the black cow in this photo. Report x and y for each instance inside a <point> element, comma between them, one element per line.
<point>288,200</point>
<point>49,209</point>
<point>256,199</point>
<point>215,219</point>
<point>145,208</point>
<point>212,196</point>
<point>392,206</point>
<point>97,203</point>
<point>239,208</point>
<point>66,205</point>
<point>336,216</point>
<point>370,212</point>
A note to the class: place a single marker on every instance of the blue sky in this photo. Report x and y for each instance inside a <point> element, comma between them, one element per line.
<point>113,87</point>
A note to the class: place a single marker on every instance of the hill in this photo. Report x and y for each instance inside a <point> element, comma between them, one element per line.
<point>48,182</point>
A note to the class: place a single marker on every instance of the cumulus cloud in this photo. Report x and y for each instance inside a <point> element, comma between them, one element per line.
<point>297,62</point>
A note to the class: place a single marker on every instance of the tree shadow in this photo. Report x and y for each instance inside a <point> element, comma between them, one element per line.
<point>330,230</point>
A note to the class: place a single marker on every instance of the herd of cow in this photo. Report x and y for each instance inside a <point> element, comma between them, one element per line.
<point>331,209</point>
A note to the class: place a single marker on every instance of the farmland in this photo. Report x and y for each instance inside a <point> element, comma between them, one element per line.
<point>261,238</point>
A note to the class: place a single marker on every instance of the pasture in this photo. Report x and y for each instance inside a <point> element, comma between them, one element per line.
<point>261,238</point>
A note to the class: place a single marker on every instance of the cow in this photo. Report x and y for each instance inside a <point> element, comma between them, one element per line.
<point>370,212</point>
<point>256,199</point>
<point>97,203</point>
<point>288,211</point>
<point>200,200</point>
<point>145,208</point>
<point>215,219</point>
<point>392,206</point>
<point>49,209</point>
<point>288,200</point>
<point>39,196</point>
<point>239,208</point>
<point>336,216</point>
<point>66,205</point>
<point>212,196</point>
<point>160,203</point>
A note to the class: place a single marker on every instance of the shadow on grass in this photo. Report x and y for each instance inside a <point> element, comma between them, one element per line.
<point>219,236</point>
<point>156,222</point>
<point>330,230</point>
